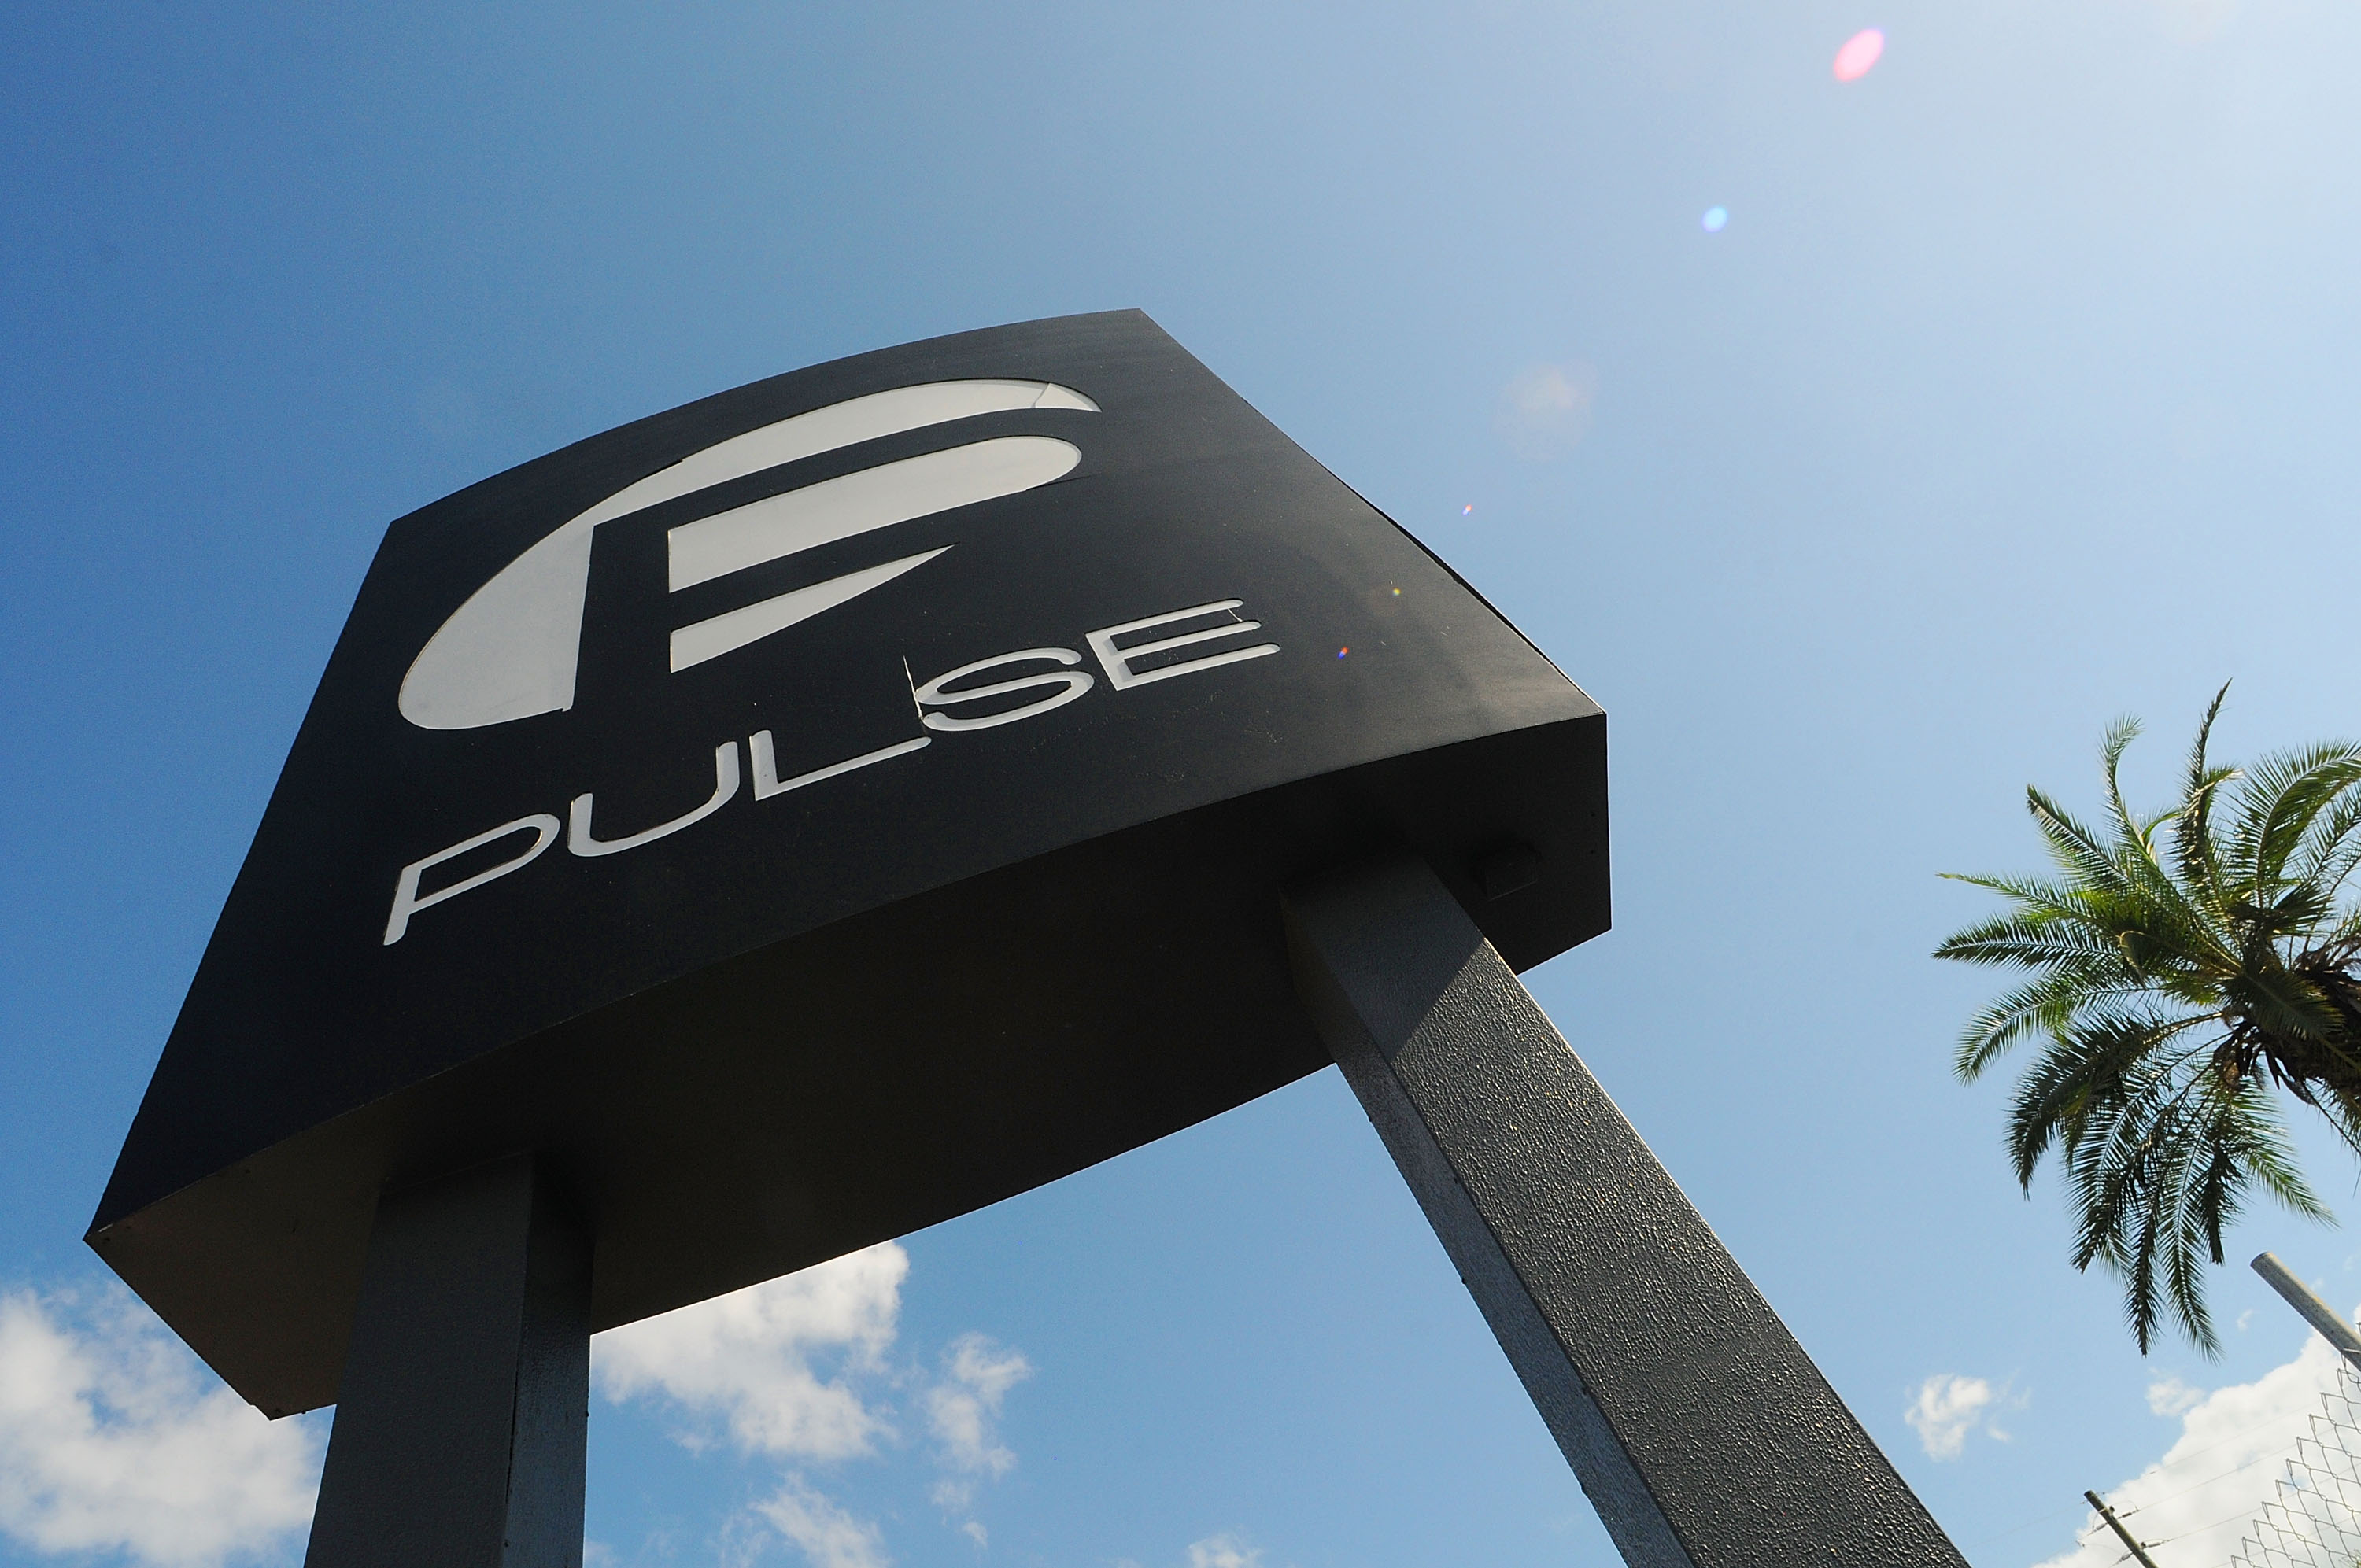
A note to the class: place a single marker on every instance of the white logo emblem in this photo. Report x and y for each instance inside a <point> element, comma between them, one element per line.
<point>511,651</point>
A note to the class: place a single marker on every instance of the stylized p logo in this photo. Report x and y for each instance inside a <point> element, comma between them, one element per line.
<point>512,650</point>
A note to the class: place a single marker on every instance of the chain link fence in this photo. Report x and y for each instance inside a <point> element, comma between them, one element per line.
<point>2313,1516</point>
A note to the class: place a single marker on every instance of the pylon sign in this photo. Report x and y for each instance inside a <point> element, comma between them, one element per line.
<point>821,810</point>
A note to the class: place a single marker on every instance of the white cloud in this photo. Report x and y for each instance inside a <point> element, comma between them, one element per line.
<point>2222,1468</point>
<point>747,1358</point>
<point>792,1369</point>
<point>1224,1551</point>
<point>114,1438</point>
<point>2169,1395</point>
<point>1543,412</point>
<point>788,1369</point>
<point>961,1411</point>
<point>962,1407</point>
<point>1227,1550</point>
<point>823,1532</point>
<point>1948,1407</point>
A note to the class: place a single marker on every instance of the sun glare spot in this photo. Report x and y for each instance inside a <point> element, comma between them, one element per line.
<point>1715,219</point>
<point>1859,53</point>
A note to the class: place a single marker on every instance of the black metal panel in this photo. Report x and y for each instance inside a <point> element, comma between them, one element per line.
<point>810,1017</point>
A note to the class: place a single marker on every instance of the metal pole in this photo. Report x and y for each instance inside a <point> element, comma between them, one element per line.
<point>2117,1525</point>
<point>2317,1313</point>
<point>463,1419</point>
<point>1703,1435</point>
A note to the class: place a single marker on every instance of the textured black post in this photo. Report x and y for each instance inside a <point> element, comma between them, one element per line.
<point>464,1412</point>
<point>1703,1434</point>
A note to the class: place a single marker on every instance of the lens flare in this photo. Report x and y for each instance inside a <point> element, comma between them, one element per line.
<point>1468,508</point>
<point>1715,219</point>
<point>1859,53</point>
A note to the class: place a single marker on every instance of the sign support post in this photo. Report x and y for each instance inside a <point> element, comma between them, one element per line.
<point>1703,1435</point>
<point>464,1414</point>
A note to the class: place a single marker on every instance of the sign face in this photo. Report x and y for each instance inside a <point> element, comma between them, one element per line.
<point>821,809</point>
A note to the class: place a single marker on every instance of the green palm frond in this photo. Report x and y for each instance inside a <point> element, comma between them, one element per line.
<point>2047,1005</point>
<point>2193,820</point>
<point>2278,802</point>
<point>2078,851</point>
<point>2017,939</point>
<point>2331,848</point>
<point>2187,966</point>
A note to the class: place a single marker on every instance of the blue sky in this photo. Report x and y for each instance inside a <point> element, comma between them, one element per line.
<point>2016,393</point>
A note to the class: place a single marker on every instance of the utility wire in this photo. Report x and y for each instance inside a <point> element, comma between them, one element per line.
<point>2200,1530</point>
<point>2225,1441</point>
<point>2200,1485</point>
<point>2218,1443</point>
<point>2020,1529</point>
<point>2193,1486</point>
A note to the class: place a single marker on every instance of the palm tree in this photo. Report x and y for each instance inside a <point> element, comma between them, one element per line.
<point>2188,968</point>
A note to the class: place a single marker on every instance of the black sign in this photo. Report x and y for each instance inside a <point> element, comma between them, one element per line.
<point>821,810</point>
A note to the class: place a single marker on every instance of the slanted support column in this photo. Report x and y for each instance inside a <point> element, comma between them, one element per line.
<point>464,1414</point>
<point>1703,1435</point>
